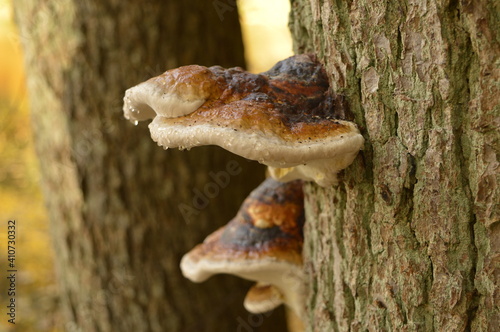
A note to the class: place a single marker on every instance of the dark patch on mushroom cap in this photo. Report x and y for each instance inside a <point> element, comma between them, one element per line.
<point>297,90</point>
<point>248,236</point>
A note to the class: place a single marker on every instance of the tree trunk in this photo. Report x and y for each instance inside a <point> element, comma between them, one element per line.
<point>409,239</point>
<point>123,211</point>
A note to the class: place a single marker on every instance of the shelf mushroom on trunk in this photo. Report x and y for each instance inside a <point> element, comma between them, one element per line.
<point>262,298</point>
<point>263,243</point>
<point>286,118</point>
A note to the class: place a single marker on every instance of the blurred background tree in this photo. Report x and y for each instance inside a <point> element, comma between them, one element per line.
<point>112,194</point>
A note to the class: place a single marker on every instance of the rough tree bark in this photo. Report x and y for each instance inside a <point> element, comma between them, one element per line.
<point>112,194</point>
<point>409,240</point>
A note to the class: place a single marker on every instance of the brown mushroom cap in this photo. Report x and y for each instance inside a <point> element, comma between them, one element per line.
<point>282,118</point>
<point>262,243</point>
<point>174,93</point>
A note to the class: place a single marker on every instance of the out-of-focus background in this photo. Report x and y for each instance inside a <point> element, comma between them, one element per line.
<point>267,40</point>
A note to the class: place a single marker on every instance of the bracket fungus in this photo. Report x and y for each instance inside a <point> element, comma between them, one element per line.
<point>263,243</point>
<point>262,298</point>
<point>286,118</point>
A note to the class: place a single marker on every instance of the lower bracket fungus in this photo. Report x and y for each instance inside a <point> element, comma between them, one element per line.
<point>286,118</point>
<point>262,298</point>
<point>262,243</point>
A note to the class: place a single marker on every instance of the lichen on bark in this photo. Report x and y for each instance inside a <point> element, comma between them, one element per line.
<point>407,241</point>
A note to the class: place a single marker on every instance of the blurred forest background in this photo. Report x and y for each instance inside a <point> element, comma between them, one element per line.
<point>267,40</point>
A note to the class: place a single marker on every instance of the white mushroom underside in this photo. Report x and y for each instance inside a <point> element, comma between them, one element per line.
<point>286,277</point>
<point>146,100</point>
<point>269,150</point>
